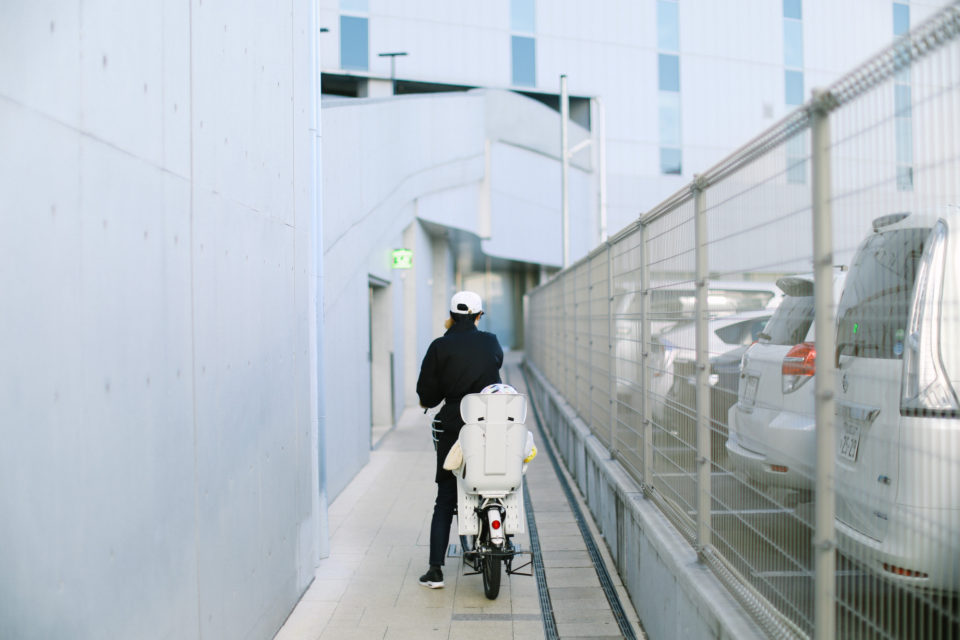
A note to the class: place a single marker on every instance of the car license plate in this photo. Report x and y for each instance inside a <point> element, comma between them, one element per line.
<point>850,440</point>
<point>750,390</point>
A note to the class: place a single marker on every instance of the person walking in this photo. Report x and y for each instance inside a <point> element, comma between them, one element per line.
<point>463,360</point>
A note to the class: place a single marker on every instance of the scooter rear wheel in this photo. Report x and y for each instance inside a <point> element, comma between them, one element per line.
<point>491,576</point>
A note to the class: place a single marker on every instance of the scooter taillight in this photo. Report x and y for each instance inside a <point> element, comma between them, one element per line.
<point>495,519</point>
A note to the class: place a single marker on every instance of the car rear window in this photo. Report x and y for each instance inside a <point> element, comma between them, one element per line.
<point>875,305</point>
<point>681,303</point>
<point>790,322</point>
<point>743,332</point>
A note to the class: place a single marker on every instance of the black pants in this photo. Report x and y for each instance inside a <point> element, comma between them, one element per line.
<point>446,503</point>
<point>443,510</point>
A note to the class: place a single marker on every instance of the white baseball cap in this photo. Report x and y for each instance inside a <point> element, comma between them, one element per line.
<point>466,302</point>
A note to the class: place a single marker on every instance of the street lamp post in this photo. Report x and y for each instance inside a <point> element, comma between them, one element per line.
<point>393,67</point>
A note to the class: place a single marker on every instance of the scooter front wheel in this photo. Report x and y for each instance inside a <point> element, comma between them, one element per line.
<point>491,576</point>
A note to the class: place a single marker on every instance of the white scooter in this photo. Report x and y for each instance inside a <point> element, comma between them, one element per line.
<point>494,447</point>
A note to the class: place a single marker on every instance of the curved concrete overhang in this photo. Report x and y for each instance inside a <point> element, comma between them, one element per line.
<point>486,162</point>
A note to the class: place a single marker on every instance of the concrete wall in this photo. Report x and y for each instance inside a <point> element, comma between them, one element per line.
<point>424,172</point>
<point>675,595</point>
<point>158,472</point>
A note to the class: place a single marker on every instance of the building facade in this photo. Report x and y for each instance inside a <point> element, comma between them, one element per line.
<point>443,136</point>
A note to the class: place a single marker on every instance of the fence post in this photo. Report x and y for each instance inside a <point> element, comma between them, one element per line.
<point>565,338</point>
<point>703,364</point>
<point>570,329</point>
<point>574,391</point>
<point>645,406</point>
<point>823,539</point>
<point>588,347</point>
<point>612,354</point>
<point>589,334</point>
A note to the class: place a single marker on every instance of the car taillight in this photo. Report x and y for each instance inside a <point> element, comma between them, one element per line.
<point>799,365</point>
<point>925,388</point>
<point>900,571</point>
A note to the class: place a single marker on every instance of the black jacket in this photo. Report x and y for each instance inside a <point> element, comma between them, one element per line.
<point>461,361</point>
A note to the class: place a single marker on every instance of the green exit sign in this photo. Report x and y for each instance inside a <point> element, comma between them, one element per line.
<point>402,259</point>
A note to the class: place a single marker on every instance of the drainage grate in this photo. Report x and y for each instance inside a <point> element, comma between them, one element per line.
<point>605,582</point>
<point>546,607</point>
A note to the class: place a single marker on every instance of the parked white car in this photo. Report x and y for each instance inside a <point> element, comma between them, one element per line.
<point>772,436</point>
<point>898,414</point>
<point>672,306</point>
<point>678,407</point>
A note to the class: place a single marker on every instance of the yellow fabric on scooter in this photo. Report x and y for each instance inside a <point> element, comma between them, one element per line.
<point>531,448</point>
<point>454,459</point>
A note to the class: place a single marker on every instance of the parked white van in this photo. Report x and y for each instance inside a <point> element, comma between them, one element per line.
<point>898,415</point>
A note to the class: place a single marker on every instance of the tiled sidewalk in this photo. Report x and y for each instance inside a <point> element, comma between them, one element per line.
<point>379,539</point>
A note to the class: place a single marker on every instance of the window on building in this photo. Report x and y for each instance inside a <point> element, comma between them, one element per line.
<point>668,25</point>
<point>670,161</point>
<point>524,61</point>
<point>354,45</point>
<point>793,86</point>
<point>905,178</point>
<point>796,147</point>
<point>793,9</point>
<point>669,72</point>
<point>793,44</point>
<point>522,16</point>
<point>904,132</point>
<point>903,111</point>
<point>797,152</point>
<point>901,18</point>
<point>668,82</point>
<point>669,119</point>
<point>902,100</point>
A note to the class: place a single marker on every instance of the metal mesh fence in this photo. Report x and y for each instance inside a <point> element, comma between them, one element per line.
<point>671,293</point>
<point>626,361</point>
<point>597,334</point>
<point>895,151</point>
<point>825,491</point>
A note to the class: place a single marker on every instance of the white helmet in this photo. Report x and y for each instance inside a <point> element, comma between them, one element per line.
<point>499,388</point>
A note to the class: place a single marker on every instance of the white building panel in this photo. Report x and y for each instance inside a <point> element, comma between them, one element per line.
<point>47,38</point>
<point>154,309</point>
<point>121,72</point>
